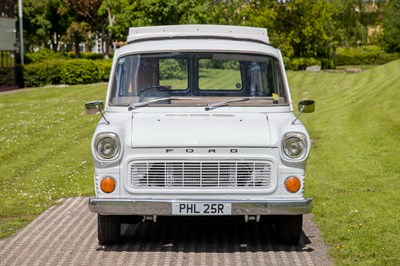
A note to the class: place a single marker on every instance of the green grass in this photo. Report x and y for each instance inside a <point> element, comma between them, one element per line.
<point>175,84</point>
<point>219,79</point>
<point>354,167</point>
<point>353,171</point>
<point>210,79</point>
<point>44,150</point>
<point>362,67</point>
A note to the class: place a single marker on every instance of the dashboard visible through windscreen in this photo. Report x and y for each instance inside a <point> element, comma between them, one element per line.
<point>205,76</point>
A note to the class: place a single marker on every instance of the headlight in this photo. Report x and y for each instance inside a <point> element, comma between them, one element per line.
<point>294,145</point>
<point>107,146</point>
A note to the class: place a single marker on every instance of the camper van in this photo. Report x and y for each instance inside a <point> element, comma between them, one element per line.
<point>198,121</point>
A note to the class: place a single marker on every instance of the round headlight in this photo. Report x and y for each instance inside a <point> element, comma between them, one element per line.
<point>107,145</point>
<point>294,145</point>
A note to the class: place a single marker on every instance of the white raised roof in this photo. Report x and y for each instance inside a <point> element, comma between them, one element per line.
<point>217,31</point>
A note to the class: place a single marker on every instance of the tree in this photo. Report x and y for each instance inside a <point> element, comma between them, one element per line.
<point>300,28</point>
<point>76,34</point>
<point>261,13</point>
<point>84,20</point>
<point>226,12</point>
<point>170,12</point>
<point>35,23</point>
<point>43,23</point>
<point>58,21</point>
<point>119,14</point>
<point>391,26</point>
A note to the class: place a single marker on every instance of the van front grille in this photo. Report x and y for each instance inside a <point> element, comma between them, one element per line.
<point>199,174</point>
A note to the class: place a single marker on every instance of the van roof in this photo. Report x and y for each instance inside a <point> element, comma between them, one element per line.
<point>198,31</point>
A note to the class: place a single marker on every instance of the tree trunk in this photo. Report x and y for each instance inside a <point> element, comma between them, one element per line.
<point>111,20</point>
<point>105,50</point>
<point>77,49</point>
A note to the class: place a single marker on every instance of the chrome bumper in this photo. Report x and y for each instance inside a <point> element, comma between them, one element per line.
<point>164,207</point>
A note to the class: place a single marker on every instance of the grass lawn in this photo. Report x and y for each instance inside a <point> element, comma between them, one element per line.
<point>219,79</point>
<point>210,79</point>
<point>354,167</point>
<point>353,171</point>
<point>44,150</point>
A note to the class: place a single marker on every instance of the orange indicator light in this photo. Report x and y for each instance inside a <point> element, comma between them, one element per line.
<point>107,184</point>
<point>292,184</point>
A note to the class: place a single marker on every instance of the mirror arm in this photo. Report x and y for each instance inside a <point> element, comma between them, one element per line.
<point>105,119</point>
<point>301,110</point>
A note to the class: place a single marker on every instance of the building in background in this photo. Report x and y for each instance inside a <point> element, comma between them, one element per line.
<point>7,44</point>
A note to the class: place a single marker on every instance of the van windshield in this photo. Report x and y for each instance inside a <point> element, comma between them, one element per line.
<point>203,77</point>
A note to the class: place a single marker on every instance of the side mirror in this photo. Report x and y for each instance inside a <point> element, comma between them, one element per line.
<point>94,107</point>
<point>306,106</point>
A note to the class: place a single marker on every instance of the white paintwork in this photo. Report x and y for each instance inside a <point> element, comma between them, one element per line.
<point>203,130</point>
<point>147,132</point>
<point>235,32</point>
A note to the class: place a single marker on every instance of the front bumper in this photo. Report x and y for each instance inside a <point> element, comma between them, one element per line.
<point>164,207</point>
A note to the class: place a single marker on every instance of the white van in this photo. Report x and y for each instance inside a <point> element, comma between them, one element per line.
<point>199,121</point>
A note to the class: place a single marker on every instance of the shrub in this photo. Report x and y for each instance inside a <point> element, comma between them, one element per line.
<point>42,55</point>
<point>79,71</point>
<point>386,58</point>
<point>104,69</point>
<point>231,64</point>
<point>327,63</point>
<point>72,71</point>
<point>43,73</point>
<point>301,63</point>
<point>6,76</point>
<point>171,69</point>
<point>48,54</point>
<point>92,56</point>
<point>363,55</point>
<point>286,62</point>
<point>86,55</point>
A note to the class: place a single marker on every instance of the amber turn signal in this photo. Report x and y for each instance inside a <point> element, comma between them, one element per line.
<point>292,184</point>
<point>107,184</point>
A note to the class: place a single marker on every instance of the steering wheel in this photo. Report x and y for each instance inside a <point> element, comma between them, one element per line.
<point>155,91</point>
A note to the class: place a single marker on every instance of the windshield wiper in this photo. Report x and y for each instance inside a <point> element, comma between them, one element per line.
<point>212,106</point>
<point>141,104</point>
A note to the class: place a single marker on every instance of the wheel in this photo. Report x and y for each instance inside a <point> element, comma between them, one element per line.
<point>108,229</point>
<point>287,229</point>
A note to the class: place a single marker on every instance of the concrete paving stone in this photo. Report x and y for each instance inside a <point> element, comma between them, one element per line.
<point>66,234</point>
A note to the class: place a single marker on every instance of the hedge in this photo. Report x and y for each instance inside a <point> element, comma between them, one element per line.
<point>6,76</point>
<point>43,55</point>
<point>300,63</point>
<point>85,55</point>
<point>43,73</point>
<point>48,54</point>
<point>104,69</point>
<point>363,55</point>
<point>66,71</point>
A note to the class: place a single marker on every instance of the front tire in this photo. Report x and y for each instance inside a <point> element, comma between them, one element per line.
<point>288,228</point>
<point>108,229</point>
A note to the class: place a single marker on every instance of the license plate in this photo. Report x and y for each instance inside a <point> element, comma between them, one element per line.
<point>201,208</point>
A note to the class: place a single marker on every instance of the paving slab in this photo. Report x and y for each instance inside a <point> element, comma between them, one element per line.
<point>66,234</point>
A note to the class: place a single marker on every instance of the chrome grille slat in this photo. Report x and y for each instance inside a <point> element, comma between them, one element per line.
<point>197,174</point>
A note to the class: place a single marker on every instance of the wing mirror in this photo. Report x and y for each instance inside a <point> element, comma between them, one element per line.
<point>305,106</point>
<point>94,107</point>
